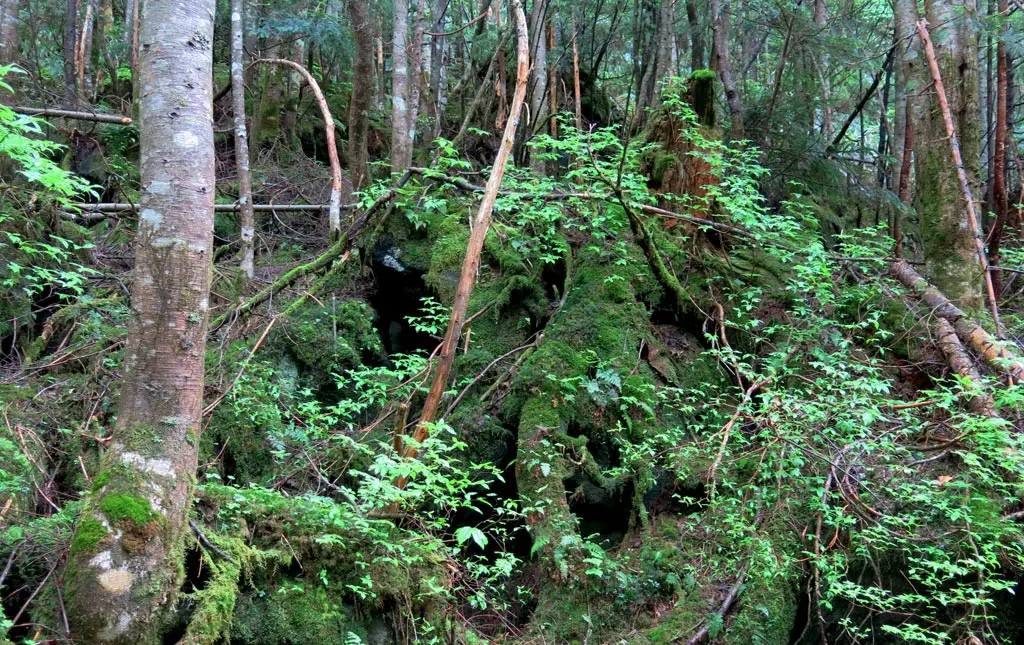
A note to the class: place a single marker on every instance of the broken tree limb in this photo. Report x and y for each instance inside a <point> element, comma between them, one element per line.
<point>969,331</point>
<point>71,114</point>
<point>476,242</point>
<point>961,363</point>
<point>334,212</point>
<point>118,207</point>
<point>961,173</point>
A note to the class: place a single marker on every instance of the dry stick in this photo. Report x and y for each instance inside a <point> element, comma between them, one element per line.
<point>961,174</point>
<point>70,114</point>
<point>961,362</point>
<point>723,609</point>
<point>458,399</point>
<point>863,101</point>
<point>727,429</point>
<point>969,331</point>
<point>213,406</point>
<point>476,242</point>
<point>124,207</point>
<point>334,213</point>
<point>247,223</point>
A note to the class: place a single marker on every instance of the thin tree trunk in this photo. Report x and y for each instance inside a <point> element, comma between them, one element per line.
<point>362,94</point>
<point>83,55</point>
<point>538,43</point>
<point>475,245</point>
<point>125,561</point>
<point>552,83</point>
<point>724,68</point>
<point>70,52</point>
<point>334,214</point>
<point>999,159</point>
<point>576,76</point>
<point>9,43</point>
<point>131,34</point>
<point>246,215</point>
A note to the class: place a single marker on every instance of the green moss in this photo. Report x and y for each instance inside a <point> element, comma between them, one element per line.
<point>101,480</point>
<point>119,507</point>
<point>703,74</point>
<point>88,535</point>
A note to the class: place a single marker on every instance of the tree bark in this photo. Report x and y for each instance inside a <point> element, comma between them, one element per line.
<point>476,241</point>
<point>724,68</point>
<point>125,560</point>
<point>971,227</point>
<point>247,218</point>
<point>70,51</point>
<point>999,195</point>
<point>576,76</point>
<point>696,36</point>
<point>334,214</point>
<point>950,252</point>
<point>401,90</point>
<point>538,85</point>
<point>362,95</point>
<point>9,43</point>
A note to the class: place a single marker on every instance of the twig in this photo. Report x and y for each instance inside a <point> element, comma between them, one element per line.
<point>209,546</point>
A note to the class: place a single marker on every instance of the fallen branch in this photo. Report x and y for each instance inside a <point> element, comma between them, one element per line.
<point>965,184</point>
<point>209,546</point>
<point>969,331</point>
<point>119,207</point>
<point>334,212</point>
<point>71,114</point>
<point>962,364</point>
<point>476,242</point>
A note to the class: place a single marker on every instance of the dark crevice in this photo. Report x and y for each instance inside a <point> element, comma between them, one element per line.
<point>399,292</point>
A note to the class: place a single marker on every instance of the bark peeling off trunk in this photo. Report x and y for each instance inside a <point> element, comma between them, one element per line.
<point>125,562</point>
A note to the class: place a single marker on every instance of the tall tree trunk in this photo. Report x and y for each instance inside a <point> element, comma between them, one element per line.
<point>246,216</point>
<point>724,68</point>
<point>576,91</point>
<point>70,52</point>
<point>552,83</point>
<point>131,34</point>
<point>538,85</point>
<point>401,90</point>
<point>84,47</point>
<point>999,157</point>
<point>362,94</point>
<point>125,560</point>
<point>949,247</point>
<point>696,36</point>
<point>9,45</point>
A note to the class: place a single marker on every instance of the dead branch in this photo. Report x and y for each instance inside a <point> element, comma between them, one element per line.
<point>70,114</point>
<point>963,365</point>
<point>334,212</point>
<point>476,240</point>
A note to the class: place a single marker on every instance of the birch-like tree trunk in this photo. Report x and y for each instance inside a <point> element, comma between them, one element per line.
<point>247,218</point>
<point>124,567</point>
<point>401,90</point>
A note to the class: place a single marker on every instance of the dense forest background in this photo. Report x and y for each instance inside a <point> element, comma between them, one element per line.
<point>525,321</point>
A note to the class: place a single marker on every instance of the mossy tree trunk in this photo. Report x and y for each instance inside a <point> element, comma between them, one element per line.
<point>951,257</point>
<point>125,565</point>
<point>9,10</point>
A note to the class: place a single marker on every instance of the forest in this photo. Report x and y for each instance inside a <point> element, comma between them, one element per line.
<point>378,322</point>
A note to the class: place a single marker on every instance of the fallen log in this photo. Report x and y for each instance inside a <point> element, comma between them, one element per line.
<point>958,358</point>
<point>122,207</point>
<point>969,331</point>
<point>71,114</point>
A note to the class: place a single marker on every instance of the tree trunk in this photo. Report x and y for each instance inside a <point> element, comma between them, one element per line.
<point>538,85</point>
<point>70,51</point>
<point>246,216</point>
<point>401,91</point>
<point>696,36</point>
<point>576,76</point>
<point>84,47</point>
<point>552,83</point>
<point>362,94</point>
<point>131,34</point>
<point>9,44</point>
<point>949,246</point>
<point>724,68</point>
<point>999,160</point>
<point>125,561</point>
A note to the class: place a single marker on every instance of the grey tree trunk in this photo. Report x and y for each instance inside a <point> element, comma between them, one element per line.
<point>950,254</point>
<point>696,36</point>
<point>362,94</point>
<point>70,42</point>
<point>401,91</point>
<point>131,33</point>
<point>724,68</point>
<point>538,84</point>
<point>9,44</point>
<point>247,223</point>
<point>124,567</point>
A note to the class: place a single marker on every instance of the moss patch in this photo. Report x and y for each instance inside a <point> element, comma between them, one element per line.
<point>89,534</point>
<point>120,507</point>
